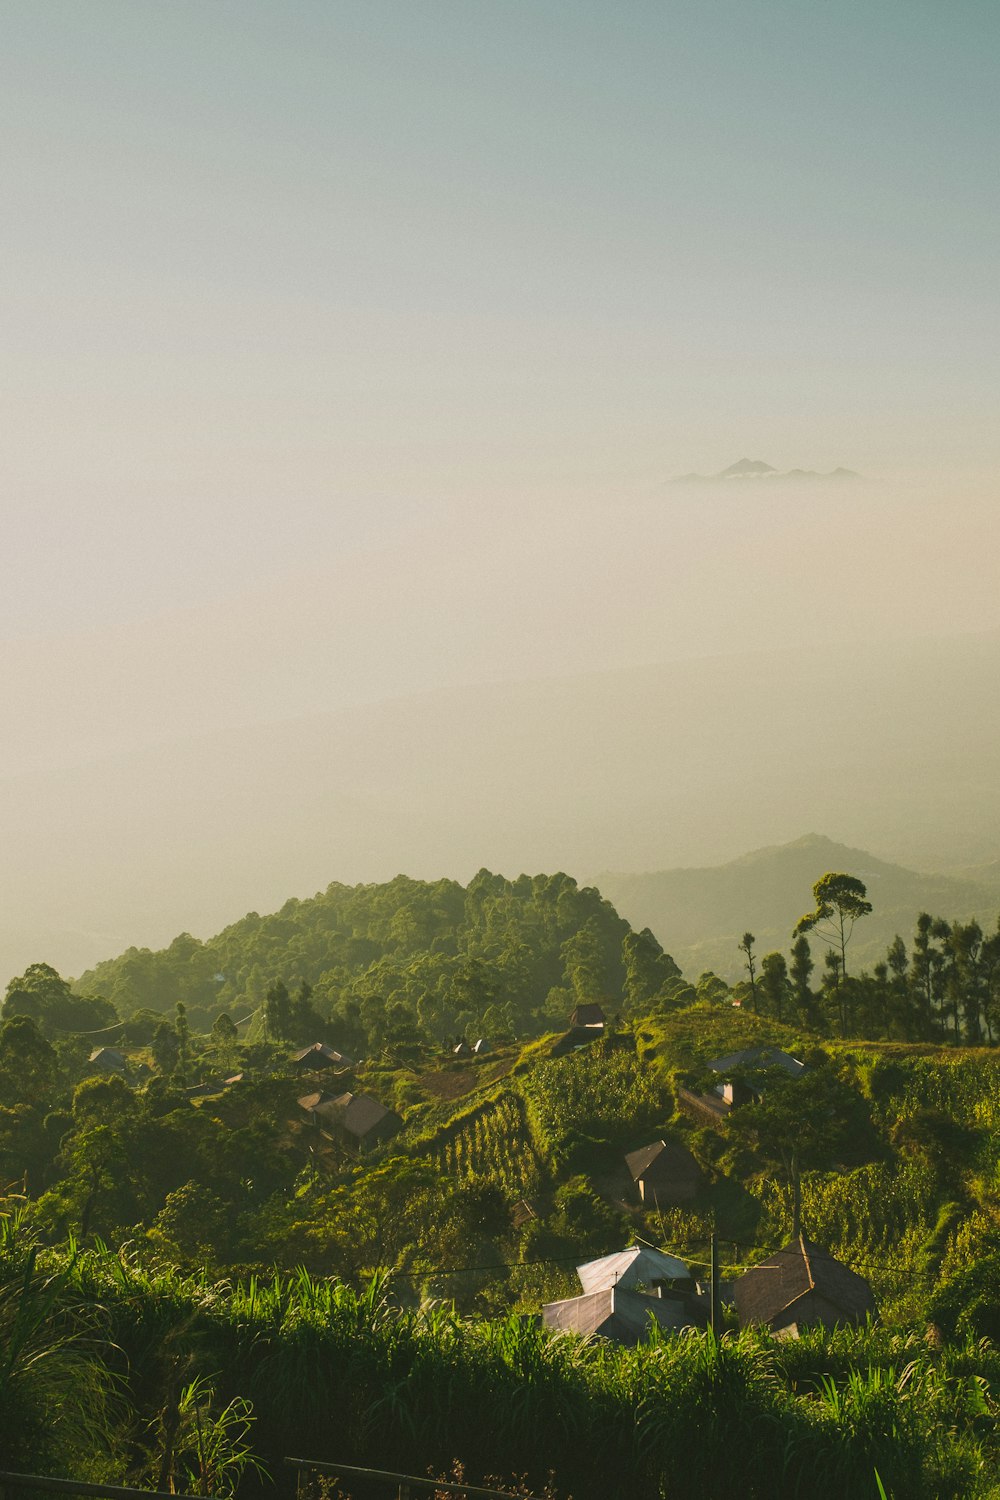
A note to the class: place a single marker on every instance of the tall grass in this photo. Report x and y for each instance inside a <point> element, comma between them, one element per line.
<point>333,1374</point>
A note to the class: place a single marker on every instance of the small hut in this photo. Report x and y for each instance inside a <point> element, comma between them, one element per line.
<point>589,1016</point>
<point>734,1091</point>
<point>358,1117</point>
<point>319,1056</point>
<point>802,1284</point>
<point>665,1173</point>
<point>107,1060</point>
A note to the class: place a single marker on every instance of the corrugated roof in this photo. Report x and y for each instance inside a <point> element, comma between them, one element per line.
<point>618,1314</point>
<point>639,1265</point>
<point>767,1291</point>
<point>759,1057</point>
<point>319,1052</point>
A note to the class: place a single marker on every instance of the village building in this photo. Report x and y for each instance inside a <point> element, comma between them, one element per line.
<point>665,1173</point>
<point>752,1060</point>
<point>107,1060</point>
<point>627,1292</point>
<point>586,1024</point>
<point>622,1316</point>
<point>589,1015</point>
<point>639,1268</point>
<point>358,1118</point>
<point>319,1056</point>
<point>733,1090</point>
<point>481,1048</point>
<point>801,1285</point>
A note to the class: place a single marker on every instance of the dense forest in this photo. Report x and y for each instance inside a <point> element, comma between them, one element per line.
<point>186,1251</point>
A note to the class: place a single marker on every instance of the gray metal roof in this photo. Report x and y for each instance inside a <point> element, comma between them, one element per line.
<point>618,1314</point>
<point>639,1265</point>
<point>759,1057</point>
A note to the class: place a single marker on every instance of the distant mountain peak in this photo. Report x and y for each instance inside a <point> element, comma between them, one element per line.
<point>746,466</point>
<point>756,471</point>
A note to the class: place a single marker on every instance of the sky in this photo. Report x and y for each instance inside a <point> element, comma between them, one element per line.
<point>347,351</point>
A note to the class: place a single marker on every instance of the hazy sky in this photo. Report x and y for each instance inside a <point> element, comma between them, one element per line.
<point>347,349</point>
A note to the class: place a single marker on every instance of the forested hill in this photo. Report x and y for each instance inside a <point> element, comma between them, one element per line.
<point>501,955</point>
<point>700,914</point>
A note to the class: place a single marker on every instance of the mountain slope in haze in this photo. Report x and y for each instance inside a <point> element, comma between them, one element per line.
<point>701,914</point>
<point>684,763</point>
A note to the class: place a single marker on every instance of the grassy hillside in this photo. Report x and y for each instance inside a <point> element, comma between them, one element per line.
<point>508,1172</point>
<point>700,914</point>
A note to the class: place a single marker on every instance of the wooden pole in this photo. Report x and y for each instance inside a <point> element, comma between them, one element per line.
<point>715,1280</point>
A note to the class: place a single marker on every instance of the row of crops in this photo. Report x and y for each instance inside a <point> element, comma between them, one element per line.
<point>492,1141</point>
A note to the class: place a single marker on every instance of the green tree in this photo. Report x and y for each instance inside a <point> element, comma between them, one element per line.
<point>41,993</point>
<point>183,1030</point>
<point>647,969</point>
<point>278,1012</point>
<point>745,946</point>
<point>800,973</point>
<point>165,1048</point>
<point>774,985</point>
<point>225,1036</point>
<point>840,903</point>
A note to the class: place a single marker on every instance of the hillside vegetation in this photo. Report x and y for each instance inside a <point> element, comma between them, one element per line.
<point>699,914</point>
<point>174,1199</point>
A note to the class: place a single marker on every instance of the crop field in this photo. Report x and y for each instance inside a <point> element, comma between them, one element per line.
<point>494,1142</point>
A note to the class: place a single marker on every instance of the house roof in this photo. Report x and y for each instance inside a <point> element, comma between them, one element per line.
<point>107,1055</point>
<point>588,1015</point>
<point>612,1312</point>
<point>759,1057</point>
<point>319,1053</point>
<point>666,1158</point>
<point>358,1114</point>
<point>639,1265</point>
<point>766,1291</point>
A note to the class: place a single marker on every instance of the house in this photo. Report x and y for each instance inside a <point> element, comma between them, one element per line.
<point>586,1024</point>
<point>319,1055</point>
<point>107,1060</point>
<point>735,1091</point>
<point>665,1173</point>
<point>461,1050</point>
<point>622,1316</point>
<point>799,1285</point>
<point>481,1048</point>
<point>640,1267</point>
<point>588,1015</point>
<point>624,1293</point>
<point>360,1118</point>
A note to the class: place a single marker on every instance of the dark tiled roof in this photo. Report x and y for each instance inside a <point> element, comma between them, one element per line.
<point>587,1015</point>
<point>664,1159</point>
<point>766,1292</point>
<point>109,1055</point>
<point>358,1114</point>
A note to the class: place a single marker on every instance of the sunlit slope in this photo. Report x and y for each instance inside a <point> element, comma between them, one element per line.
<point>681,764</point>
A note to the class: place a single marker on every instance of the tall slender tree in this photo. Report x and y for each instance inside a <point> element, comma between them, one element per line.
<point>840,902</point>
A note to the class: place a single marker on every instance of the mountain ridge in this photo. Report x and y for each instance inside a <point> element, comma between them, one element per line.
<point>700,913</point>
<point>755,470</point>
